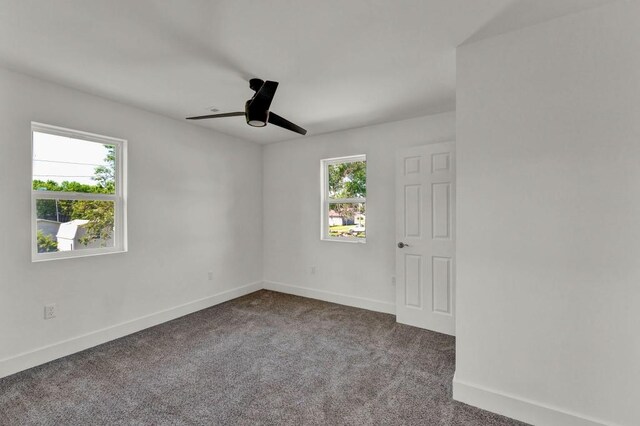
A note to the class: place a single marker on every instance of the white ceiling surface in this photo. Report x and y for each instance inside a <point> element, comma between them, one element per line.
<point>341,64</point>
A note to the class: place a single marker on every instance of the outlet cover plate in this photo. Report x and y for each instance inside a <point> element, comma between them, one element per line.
<point>50,311</point>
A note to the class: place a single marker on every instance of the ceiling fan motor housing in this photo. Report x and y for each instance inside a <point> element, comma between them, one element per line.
<point>255,84</point>
<point>255,117</point>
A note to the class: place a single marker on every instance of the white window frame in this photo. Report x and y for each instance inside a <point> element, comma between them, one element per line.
<point>324,214</point>
<point>119,198</point>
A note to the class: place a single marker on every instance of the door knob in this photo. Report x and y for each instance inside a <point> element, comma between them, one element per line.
<point>402,245</point>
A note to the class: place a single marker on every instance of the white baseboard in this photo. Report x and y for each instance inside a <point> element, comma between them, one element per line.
<point>519,408</point>
<point>57,350</point>
<point>26,360</point>
<point>328,296</point>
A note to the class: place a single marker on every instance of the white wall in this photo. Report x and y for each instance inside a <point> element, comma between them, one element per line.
<point>548,146</point>
<point>356,274</point>
<point>195,203</point>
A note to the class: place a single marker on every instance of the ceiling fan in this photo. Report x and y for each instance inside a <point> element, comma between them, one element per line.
<point>256,109</point>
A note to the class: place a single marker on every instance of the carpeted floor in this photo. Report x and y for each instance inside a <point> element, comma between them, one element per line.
<point>266,358</point>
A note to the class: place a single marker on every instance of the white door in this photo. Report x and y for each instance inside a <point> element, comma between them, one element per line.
<point>425,237</point>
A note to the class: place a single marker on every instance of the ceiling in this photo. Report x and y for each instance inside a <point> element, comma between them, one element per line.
<point>341,64</point>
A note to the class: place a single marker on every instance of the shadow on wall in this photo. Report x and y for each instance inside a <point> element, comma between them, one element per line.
<point>525,13</point>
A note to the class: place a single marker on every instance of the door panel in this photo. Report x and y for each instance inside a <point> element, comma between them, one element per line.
<point>425,212</point>
<point>441,206</point>
<point>441,271</point>
<point>412,207</point>
<point>413,283</point>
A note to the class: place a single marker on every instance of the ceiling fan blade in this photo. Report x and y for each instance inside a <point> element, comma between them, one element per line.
<point>261,101</point>
<point>275,119</point>
<point>226,114</point>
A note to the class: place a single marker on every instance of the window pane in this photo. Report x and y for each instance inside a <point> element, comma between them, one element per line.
<point>348,180</point>
<point>347,220</point>
<point>65,225</point>
<point>66,164</point>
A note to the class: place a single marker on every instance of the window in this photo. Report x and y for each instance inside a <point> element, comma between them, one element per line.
<point>344,199</point>
<point>77,193</point>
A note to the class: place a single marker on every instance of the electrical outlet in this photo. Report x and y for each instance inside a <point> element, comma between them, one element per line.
<point>50,311</point>
<point>312,269</point>
<point>210,276</point>
<point>393,280</point>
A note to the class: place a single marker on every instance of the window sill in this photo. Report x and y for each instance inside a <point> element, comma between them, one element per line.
<point>46,257</point>
<point>345,240</point>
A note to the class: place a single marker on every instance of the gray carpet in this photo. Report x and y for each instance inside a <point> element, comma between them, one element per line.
<point>266,358</point>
